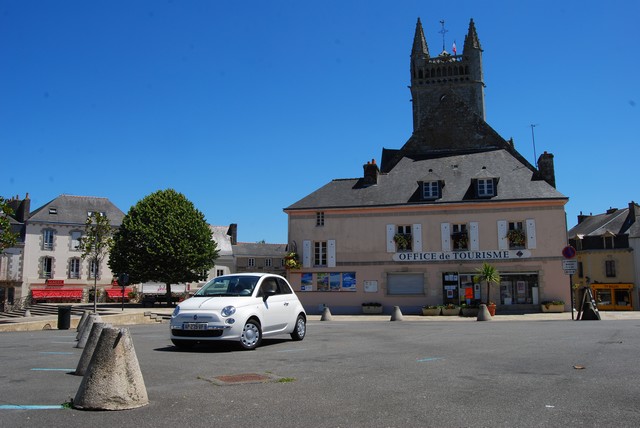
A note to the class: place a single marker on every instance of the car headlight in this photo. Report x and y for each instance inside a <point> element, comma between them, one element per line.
<point>227,311</point>
<point>176,311</point>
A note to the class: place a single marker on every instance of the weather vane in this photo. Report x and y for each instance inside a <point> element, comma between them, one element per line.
<point>443,31</point>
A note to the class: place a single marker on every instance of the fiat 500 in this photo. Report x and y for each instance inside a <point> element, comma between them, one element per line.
<point>241,307</point>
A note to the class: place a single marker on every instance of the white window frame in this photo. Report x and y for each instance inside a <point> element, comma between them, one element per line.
<point>320,253</point>
<point>94,269</point>
<point>251,262</point>
<point>47,267</point>
<point>320,218</point>
<point>459,228</point>
<point>75,243</point>
<point>430,190</point>
<point>268,262</point>
<point>75,268</point>
<point>486,187</point>
<point>47,239</point>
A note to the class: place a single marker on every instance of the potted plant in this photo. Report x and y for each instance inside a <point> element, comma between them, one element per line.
<point>469,310</point>
<point>291,261</point>
<point>552,306</point>
<point>516,237</point>
<point>371,308</point>
<point>451,310</point>
<point>402,240</point>
<point>489,274</point>
<point>430,310</point>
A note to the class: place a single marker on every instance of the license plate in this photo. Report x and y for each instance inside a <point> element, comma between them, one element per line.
<point>194,326</point>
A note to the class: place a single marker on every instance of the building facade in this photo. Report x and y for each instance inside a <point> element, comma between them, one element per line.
<point>52,264</point>
<point>607,246</point>
<point>414,230</point>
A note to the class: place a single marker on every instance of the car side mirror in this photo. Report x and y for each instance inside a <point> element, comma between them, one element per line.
<point>268,294</point>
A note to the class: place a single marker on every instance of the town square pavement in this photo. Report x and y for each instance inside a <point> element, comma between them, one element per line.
<point>522,371</point>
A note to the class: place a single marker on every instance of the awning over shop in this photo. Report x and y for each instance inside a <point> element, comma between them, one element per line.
<point>50,293</point>
<point>116,293</point>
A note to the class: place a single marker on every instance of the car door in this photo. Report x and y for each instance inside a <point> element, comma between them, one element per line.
<point>276,307</point>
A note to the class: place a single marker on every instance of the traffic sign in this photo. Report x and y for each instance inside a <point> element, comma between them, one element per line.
<point>569,266</point>
<point>568,252</point>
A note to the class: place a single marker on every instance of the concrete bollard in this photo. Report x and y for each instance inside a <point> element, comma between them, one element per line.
<point>86,329</point>
<point>113,380</point>
<point>27,313</point>
<point>396,314</point>
<point>483,313</point>
<point>90,347</point>
<point>326,314</point>
<point>83,318</point>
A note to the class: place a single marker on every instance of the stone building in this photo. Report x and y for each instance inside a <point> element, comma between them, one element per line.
<point>412,230</point>
<point>608,246</point>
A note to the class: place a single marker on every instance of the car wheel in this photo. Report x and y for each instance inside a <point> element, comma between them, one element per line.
<point>251,335</point>
<point>300,329</point>
<point>184,344</point>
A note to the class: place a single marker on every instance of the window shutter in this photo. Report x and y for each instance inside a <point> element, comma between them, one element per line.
<point>417,238</point>
<point>445,234</point>
<point>306,253</point>
<point>531,234</point>
<point>474,242</point>
<point>391,245</point>
<point>331,253</point>
<point>503,242</point>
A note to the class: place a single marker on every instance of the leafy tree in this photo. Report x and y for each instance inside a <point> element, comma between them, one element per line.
<point>7,237</point>
<point>163,238</point>
<point>95,245</point>
<point>488,273</point>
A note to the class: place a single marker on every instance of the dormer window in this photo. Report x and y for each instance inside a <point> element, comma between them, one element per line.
<point>486,187</point>
<point>431,190</point>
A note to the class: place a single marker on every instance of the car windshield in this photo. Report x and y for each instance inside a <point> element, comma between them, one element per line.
<point>232,285</point>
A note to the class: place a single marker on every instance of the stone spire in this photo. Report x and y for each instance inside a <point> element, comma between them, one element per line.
<point>420,48</point>
<point>471,40</point>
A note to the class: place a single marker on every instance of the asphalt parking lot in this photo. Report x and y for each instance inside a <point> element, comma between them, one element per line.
<point>350,374</point>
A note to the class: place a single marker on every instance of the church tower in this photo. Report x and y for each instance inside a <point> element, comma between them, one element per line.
<point>431,76</point>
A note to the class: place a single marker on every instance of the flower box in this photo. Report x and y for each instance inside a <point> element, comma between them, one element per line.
<point>431,311</point>
<point>451,312</point>
<point>470,312</point>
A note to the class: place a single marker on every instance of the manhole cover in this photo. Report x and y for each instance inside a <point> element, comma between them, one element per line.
<point>244,378</point>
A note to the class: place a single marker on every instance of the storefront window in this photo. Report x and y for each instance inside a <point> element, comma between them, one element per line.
<point>518,289</point>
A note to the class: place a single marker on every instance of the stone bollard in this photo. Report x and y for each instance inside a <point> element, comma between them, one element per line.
<point>483,313</point>
<point>27,313</point>
<point>86,329</point>
<point>83,318</point>
<point>113,380</point>
<point>326,314</point>
<point>396,314</point>
<point>90,347</point>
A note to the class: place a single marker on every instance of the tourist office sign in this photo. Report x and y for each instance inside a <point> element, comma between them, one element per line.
<point>457,256</point>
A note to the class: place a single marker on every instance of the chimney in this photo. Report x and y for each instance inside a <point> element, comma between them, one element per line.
<point>371,172</point>
<point>20,207</point>
<point>546,169</point>
<point>233,233</point>
<point>582,217</point>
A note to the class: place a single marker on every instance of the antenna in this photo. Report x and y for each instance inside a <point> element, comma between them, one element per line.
<point>443,32</point>
<point>533,138</point>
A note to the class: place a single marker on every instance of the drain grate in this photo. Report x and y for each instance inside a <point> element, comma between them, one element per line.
<point>243,378</point>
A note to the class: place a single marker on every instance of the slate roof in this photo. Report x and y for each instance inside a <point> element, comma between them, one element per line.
<point>400,185</point>
<point>70,209</point>
<point>250,249</point>
<point>612,222</point>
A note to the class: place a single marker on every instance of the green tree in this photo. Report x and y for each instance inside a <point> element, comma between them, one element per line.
<point>7,237</point>
<point>163,238</point>
<point>489,274</point>
<point>95,245</point>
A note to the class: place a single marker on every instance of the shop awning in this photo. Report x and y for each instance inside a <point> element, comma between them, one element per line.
<point>57,293</point>
<point>116,292</point>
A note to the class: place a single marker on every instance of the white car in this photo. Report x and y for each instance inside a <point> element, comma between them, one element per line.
<point>242,307</point>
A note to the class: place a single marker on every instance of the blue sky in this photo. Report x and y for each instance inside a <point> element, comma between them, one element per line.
<point>247,107</point>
